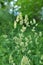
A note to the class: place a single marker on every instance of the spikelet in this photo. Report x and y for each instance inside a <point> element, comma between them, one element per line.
<point>31,23</point>
<point>34,21</point>
<point>15,24</point>
<point>17,19</point>
<point>23,29</point>
<point>26,19</point>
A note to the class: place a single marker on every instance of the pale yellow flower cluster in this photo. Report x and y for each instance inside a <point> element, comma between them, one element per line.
<point>11,61</point>
<point>26,22</point>
<point>37,36</point>
<point>33,22</point>
<point>25,61</point>
<point>22,41</point>
<point>18,19</point>
<point>34,25</point>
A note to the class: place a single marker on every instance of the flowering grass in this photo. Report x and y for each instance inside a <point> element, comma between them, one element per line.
<point>24,45</point>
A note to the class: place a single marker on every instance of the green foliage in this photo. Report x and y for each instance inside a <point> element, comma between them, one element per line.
<point>23,45</point>
<point>31,7</point>
<point>6,23</point>
<point>21,40</point>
